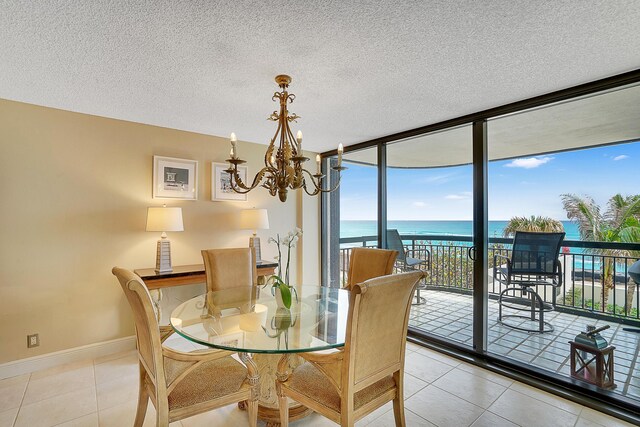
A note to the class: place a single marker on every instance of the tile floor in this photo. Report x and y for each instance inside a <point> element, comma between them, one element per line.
<point>449,314</point>
<point>439,391</point>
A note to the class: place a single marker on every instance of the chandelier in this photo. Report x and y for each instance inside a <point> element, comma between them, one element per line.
<point>282,163</point>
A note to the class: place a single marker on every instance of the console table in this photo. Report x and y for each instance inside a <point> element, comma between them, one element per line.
<point>191,274</point>
<point>188,275</point>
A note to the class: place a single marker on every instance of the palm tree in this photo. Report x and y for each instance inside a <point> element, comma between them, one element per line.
<point>619,223</point>
<point>533,223</point>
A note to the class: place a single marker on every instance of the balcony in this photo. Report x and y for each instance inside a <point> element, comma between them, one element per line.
<point>449,303</point>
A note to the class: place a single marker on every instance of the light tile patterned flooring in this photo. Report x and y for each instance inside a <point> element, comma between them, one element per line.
<point>449,314</point>
<point>439,391</point>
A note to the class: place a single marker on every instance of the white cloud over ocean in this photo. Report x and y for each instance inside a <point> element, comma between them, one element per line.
<point>529,162</point>
<point>620,157</point>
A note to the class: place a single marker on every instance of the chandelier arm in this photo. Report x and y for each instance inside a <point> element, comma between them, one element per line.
<point>317,185</point>
<point>267,155</point>
<point>304,187</point>
<point>239,187</point>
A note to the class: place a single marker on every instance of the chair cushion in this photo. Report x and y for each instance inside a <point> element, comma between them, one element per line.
<point>209,381</point>
<point>311,382</point>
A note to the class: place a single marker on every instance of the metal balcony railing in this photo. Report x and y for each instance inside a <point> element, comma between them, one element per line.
<point>584,265</point>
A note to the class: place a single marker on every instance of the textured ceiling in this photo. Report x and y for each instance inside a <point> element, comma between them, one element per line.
<point>361,69</point>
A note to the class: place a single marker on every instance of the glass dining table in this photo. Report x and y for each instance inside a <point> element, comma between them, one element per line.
<point>248,320</point>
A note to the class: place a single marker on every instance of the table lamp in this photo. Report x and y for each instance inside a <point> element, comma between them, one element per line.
<point>254,219</point>
<point>164,219</point>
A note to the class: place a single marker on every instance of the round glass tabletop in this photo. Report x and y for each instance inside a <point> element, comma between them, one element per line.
<point>248,320</point>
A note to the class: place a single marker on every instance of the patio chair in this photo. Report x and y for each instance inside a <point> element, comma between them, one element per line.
<point>409,260</point>
<point>534,262</point>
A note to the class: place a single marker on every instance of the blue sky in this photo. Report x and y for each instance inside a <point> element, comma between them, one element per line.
<point>527,186</point>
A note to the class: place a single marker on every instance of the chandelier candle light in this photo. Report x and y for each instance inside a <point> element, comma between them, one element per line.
<point>282,164</point>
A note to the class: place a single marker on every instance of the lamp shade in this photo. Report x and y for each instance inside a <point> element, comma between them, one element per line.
<point>164,219</point>
<point>254,219</point>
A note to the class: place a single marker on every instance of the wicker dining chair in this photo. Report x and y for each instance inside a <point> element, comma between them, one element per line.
<point>347,384</point>
<point>230,268</point>
<point>181,384</point>
<point>367,263</point>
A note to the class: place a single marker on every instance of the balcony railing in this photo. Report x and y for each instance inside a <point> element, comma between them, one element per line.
<point>582,265</point>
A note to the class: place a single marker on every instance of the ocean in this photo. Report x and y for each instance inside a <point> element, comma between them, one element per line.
<point>445,228</point>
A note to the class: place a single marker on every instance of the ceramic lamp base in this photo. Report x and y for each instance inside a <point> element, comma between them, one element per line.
<point>254,242</point>
<point>163,256</point>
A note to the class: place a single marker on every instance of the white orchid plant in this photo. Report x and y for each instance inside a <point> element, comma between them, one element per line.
<point>281,280</point>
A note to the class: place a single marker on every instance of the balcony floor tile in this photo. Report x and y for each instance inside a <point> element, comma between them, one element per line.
<point>449,315</point>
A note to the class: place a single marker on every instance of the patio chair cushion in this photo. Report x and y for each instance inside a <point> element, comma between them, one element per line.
<point>211,380</point>
<point>311,382</point>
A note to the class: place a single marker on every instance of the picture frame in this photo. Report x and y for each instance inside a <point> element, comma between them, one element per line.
<point>175,178</point>
<point>220,183</point>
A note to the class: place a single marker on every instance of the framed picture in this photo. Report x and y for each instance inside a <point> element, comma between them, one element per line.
<point>175,178</point>
<point>221,183</point>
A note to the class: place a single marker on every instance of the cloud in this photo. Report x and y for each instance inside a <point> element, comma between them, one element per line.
<point>440,179</point>
<point>620,157</point>
<point>460,196</point>
<point>529,162</point>
<point>419,204</point>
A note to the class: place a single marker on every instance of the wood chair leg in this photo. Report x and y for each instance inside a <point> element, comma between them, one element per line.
<point>143,400</point>
<point>162,411</point>
<point>283,402</point>
<point>162,420</point>
<point>398,412</point>
<point>252,410</point>
<point>398,402</point>
<point>346,419</point>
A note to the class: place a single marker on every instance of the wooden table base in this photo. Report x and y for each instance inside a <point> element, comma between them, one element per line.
<point>268,408</point>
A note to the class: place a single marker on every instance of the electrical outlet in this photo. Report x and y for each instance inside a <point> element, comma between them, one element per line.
<point>33,340</point>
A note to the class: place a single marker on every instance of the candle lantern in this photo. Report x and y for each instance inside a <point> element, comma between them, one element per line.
<point>592,358</point>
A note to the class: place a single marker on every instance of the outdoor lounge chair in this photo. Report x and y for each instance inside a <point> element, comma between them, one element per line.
<point>409,260</point>
<point>534,262</point>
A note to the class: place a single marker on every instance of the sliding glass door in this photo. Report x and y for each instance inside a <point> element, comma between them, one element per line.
<point>568,167</point>
<point>430,210</point>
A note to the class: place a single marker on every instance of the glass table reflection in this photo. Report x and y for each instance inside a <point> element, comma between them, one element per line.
<point>248,320</point>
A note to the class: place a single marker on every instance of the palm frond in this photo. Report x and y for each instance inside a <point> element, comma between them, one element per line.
<point>533,223</point>
<point>629,210</point>
<point>585,213</point>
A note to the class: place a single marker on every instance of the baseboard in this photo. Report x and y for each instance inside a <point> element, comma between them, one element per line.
<point>49,360</point>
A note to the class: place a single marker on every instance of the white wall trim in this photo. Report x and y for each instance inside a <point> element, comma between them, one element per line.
<point>49,360</point>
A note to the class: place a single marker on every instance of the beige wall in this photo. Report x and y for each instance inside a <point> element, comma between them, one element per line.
<point>74,191</point>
